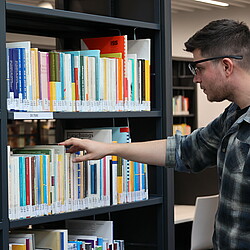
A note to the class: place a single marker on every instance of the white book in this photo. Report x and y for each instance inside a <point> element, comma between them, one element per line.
<point>134,80</point>
<point>67,81</point>
<point>17,235</point>
<point>113,83</point>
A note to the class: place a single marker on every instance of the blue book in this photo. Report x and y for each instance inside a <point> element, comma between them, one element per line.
<point>38,175</point>
<point>93,169</point>
<point>15,66</point>
<point>14,88</point>
<point>22,181</point>
<point>62,240</point>
<point>22,78</point>
<point>11,73</point>
<point>136,176</point>
<point>23,73</point>
<point>78,244</point>
<point>45,184</point>
<point>58,95</point>
<point>80,72</point>
<point>8,73</point>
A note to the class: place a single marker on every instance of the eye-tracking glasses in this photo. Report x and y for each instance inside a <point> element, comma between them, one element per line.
<point>192,66</point>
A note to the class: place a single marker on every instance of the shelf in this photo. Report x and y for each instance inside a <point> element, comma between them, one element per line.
<point>189,115</point>
<point>183,77</point>
<point>183,87</point>
<point>95,115</point>
<point>87,212</point>
<point>27,19</point>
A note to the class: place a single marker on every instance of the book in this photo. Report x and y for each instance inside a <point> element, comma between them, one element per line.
<point>43,58</point>
<point>26,45</point>
<point>17,246</point>
<point>56,239</point>
<point>35,79</point>
<point>98,171</point>
<point>103,229</point>
<point>28,239</point>
<point>142,48</point>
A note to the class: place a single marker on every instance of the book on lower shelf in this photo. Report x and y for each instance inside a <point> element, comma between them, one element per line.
<point>77,235</point>
<point>184,128</point>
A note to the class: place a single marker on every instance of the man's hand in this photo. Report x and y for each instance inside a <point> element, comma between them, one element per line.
<point>93,150</point>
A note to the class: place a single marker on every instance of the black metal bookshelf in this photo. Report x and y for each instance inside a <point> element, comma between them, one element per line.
<point>145,224</point>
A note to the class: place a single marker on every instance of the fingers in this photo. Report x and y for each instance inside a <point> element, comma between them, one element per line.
<point>73,145</point>
<point>81,158</point>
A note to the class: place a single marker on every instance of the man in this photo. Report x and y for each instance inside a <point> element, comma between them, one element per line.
<point>221,66</point>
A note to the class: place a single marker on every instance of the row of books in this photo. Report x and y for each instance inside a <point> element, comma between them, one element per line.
<point>184,128</point>
<point>43,180</point>
<point>108,74</point>
<point>180,105</point>
<point>79,235</point>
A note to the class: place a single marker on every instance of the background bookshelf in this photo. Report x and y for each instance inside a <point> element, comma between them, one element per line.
<point>144,224</point>
<point>189,186</point>
<point>183,86</point>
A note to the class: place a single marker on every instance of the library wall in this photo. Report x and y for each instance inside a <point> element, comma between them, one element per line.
<point>184,25</point>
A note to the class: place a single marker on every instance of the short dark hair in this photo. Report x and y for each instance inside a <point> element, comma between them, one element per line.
<point>222,37</point>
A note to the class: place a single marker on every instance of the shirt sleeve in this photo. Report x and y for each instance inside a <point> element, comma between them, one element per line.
<point>197,151</point>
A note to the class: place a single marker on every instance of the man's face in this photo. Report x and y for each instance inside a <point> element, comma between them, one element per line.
<point>211,79</point>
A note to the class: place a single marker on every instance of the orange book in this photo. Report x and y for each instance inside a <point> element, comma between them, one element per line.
<point>113,44</point>
<point>16,246</point>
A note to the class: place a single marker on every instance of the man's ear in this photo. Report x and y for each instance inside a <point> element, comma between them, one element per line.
<point>228,66</point>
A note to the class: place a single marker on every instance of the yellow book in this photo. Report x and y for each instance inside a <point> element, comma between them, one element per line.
<point>49,182</point>
<point>17,246</point>
<point>131,182</point>
<point>115,55</point>
<point>52,95</point>
<point>147,80</point>
<point>73,96</point>
<point>120,180</point>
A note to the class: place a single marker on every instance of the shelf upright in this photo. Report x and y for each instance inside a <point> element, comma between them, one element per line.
<point>4,224</point>
<point>166,71</point>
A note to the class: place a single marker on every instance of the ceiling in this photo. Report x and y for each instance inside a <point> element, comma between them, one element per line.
<point>177,5</point>
<point>192,5</point>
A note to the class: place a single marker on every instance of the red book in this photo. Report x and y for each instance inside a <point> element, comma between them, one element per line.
<point>28,180</point>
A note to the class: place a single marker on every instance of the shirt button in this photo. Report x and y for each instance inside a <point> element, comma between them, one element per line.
<point>223,150</point>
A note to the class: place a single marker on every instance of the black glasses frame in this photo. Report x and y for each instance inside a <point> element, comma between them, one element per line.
<point>192,66</point>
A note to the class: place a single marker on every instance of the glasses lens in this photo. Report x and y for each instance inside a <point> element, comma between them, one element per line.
<point>192,68</point>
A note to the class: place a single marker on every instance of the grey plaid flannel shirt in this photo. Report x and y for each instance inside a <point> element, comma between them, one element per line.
<point>224,144</point>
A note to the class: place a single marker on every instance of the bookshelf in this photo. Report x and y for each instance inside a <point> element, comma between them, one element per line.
<point>188,186</point>
<point>183,86</point>
<point>144,224</point>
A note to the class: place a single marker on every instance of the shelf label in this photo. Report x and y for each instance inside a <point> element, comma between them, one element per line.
<point>32,115</point>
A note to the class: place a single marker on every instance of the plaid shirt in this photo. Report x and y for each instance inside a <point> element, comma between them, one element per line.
<point>224,143</point>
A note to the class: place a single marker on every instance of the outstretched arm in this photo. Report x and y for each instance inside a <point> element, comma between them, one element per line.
<point>150,152</point>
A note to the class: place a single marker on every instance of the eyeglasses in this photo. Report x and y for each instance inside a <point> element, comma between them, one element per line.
<point>192,66</point>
